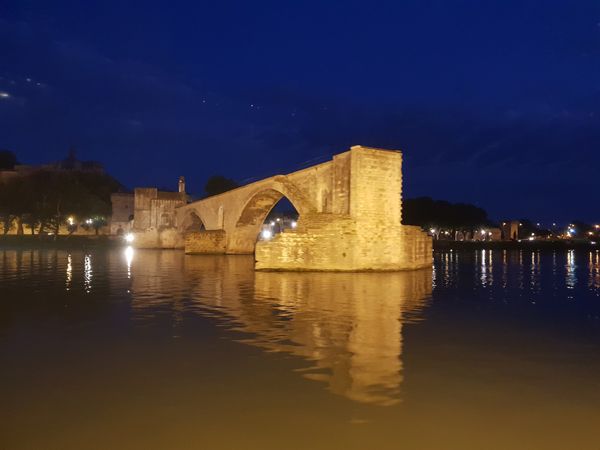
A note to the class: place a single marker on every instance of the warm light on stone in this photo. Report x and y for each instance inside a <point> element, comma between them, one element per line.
<point>350,218</point>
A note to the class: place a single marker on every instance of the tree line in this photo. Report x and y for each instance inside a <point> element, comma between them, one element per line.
<point>428,213</point>
<point>44,199</point>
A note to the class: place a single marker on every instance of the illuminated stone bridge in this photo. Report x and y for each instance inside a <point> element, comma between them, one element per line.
<point>350,213</point>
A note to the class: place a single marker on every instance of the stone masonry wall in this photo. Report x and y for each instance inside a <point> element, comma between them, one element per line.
<point>206,241</point>
<point>376,185</point>
<point>371,237</point>
<point>158,238</point>
<point>328,242</point>
<point>143,202</point>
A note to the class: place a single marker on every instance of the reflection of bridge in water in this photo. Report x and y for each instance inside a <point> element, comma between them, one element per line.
<point>349,326</point>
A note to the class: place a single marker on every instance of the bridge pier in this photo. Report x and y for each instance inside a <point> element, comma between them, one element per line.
<point>326,242</point>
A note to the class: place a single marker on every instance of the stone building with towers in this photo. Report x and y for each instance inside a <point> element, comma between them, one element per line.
<point>148,212</point>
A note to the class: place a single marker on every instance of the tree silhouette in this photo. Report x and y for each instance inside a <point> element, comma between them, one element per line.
<point>428,213</point>
<point>49,197</point>
<point>8,160</point>
<point>217,184</point>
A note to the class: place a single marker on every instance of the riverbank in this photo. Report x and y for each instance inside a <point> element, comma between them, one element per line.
<point>104,241</point>
<point>60,241</point>
<point>513,245</point>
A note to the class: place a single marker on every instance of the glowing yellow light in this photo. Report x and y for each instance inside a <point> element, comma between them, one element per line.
<point>266,234</point>
<point>70,220</point>
<point>294,224</point>
<point>129,237</point>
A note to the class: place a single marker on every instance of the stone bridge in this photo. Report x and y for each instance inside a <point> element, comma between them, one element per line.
<point>350,213</point>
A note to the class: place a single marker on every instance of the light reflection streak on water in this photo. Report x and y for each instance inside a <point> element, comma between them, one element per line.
<point>483,269</point>
<point>447,263</point>
<point>87,273</point>
<point>445,270</point>
<point>486,268</point>
<point>433,276</point>
<point>521,275</point>
<point>594,271</point>
<point>504,270</point>
<point>129,252</point>
<point>491,266</point>
<point>534,280</point>
<point>571,276</point>
<point>69,272</point>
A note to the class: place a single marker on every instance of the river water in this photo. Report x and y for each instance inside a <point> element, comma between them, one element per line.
<point>142,349</point>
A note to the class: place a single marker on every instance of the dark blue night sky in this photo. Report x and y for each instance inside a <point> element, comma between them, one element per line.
<point>494,103</point>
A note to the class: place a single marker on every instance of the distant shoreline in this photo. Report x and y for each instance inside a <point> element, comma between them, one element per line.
<point>104,241</point>
<point>514,245</point>
<point>60,241</point>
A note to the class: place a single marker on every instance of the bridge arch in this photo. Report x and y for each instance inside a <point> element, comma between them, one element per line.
<point>257,205</point>
<point>192,222</point>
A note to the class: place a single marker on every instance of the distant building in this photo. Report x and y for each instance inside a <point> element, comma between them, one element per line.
<point>510,230</point>
<point>147,209</point>
<point>72,163</point>
<point>6,175</point>
<point>495,234</point>
<point>69,163</point>
<point>121,220</point>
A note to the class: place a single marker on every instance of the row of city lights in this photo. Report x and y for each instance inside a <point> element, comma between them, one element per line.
<point>571,230</point>
<point>71,221</point>
<point>267,234</point>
